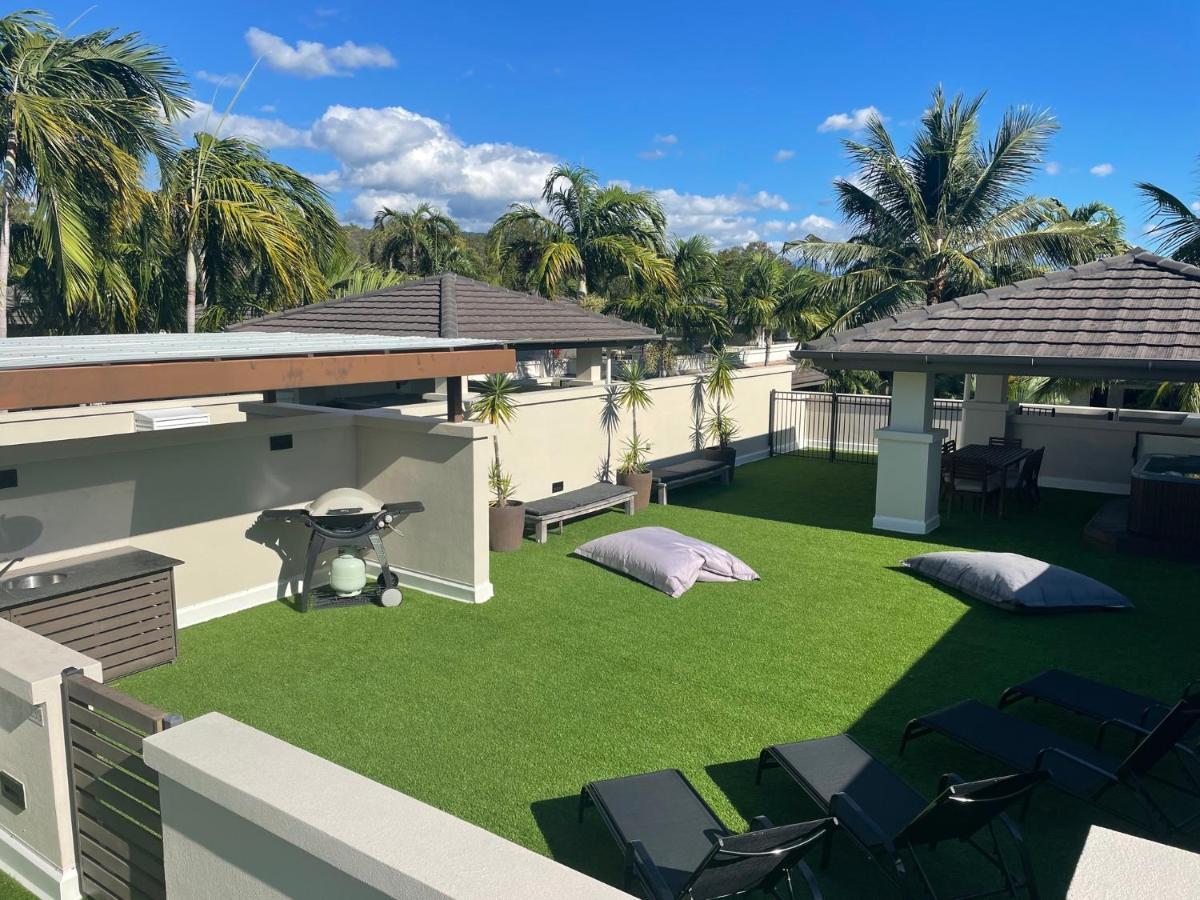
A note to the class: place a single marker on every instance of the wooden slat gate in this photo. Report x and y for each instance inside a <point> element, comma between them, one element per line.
<point>118,824</point>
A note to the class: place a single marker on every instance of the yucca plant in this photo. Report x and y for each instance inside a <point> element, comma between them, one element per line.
<point>718,390</point>
<point>494,405</point>
<point>634,394</point>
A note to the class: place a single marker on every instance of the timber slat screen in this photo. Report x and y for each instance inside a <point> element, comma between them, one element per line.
<point>841,426</point>
<point>128,625</point>
<point>118,824</point>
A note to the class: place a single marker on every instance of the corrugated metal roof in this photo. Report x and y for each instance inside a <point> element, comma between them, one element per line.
<point>109,349</point>
<point>1136,313</point>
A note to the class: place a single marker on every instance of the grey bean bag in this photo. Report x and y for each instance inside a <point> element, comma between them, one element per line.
<point>665,559</point>
<point>1016,583</point>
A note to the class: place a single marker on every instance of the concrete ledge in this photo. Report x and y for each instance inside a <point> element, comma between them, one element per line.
<point>906,526</point>
<point>1080,484</point>
<point>370,839</point>
<point>34,873</point>
<point>31,666</point>
<point>910,437</point>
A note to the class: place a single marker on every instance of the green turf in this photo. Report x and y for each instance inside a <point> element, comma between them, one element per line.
<point>499,713</point>
<point>10,890</point>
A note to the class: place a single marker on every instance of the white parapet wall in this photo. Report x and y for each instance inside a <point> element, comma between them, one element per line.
<point>247,815</point>
<point>195,494</point>
<point>558,435</point>
<point>37,844</point>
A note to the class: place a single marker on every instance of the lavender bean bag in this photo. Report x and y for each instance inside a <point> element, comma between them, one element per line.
<point>665,559</point>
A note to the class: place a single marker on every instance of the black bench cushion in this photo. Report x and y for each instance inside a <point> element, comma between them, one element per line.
<point>664,812</point>
<point>1016,742</point>
<point>569,500</point>
<point>839,764</point>
<point>689,469</point>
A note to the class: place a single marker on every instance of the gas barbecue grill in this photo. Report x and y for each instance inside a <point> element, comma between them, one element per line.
<point>351,520</point>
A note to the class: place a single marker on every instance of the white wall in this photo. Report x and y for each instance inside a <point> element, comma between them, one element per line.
<point>235,825</point>
<point>195,494</point>
<point>69,423</point>
<point>37,843</point>
<point>1089,453</point>
<point>557,435</point>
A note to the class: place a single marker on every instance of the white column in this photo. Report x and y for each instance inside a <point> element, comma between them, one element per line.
<point>986,414</point>
<point>589,365</point>
<point>910,459</point>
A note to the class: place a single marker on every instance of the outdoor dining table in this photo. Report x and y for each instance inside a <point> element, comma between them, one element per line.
<point>997,459</point>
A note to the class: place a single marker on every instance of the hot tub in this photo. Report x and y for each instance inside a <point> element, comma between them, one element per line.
<point>1164,498</point>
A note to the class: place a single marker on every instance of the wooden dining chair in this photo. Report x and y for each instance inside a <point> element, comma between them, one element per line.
<point>976,480</point>
<point>1004,442</point>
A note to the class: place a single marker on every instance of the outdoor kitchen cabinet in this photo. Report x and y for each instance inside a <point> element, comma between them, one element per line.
<point>117,607</point>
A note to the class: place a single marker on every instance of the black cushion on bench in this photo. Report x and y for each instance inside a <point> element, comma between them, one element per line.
<point>568,500</point>
<point>689,469</point>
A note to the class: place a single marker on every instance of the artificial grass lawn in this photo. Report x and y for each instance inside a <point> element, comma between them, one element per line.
<point>499,713</point>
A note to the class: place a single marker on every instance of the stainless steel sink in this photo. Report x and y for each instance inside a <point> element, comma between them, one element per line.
<point>33,582</point>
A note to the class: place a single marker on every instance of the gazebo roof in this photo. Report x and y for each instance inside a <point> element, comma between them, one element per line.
<point>451,306</point>
<point>1131,316</point>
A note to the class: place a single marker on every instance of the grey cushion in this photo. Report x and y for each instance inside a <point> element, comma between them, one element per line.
<point>1016,582</point>
<point>665,559</point>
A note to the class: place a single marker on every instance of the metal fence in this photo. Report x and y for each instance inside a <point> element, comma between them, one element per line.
<point>841,426</point>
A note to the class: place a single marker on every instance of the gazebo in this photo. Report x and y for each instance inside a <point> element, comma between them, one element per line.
<point>1134,316</point>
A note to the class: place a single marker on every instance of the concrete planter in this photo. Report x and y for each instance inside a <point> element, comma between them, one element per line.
<point>639,481</point>
<point>723,454</point>
<point>506,527</point>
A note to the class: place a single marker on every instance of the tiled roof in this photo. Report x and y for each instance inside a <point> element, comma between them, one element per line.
<point>454,306</point>
<point>1137,312</point>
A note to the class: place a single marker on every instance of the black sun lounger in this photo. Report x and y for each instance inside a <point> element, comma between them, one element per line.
<point>677,847</point>
<point>1073,766</point>
<point>1095,700</point>
<point>888,819</point>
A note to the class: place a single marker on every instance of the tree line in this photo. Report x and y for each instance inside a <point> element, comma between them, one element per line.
<point>109,223</point>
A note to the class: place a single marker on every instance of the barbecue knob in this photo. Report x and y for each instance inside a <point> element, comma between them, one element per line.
<point>387,520</point>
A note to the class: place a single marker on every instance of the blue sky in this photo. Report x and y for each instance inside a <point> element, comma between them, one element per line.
<point>735,112</point>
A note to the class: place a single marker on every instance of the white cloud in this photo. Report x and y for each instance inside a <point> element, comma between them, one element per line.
<point>1196,205</point>
<point>229,78</point>
<point>1053,168</point>
<point>666,139</point>
<point>392,152</point>
<point>656,153</point>
<point>1102,170</point>
<point>269,133</point>
<point>783,155</point>
<point>810,224</point>
<point>312,59</point>
<point>728,219</point>
<point>856,120</point>
<point>267,108</point>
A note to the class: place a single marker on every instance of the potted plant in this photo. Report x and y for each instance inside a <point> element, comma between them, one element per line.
<point>506,516</point>
<point>720,427</point>
<point>633,469</point>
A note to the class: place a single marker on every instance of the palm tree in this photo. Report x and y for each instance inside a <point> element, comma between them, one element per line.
<point>589,236</point>
<point>765,292</point>
<point>253,232</point>
<point>79,117</point>
<point>692,308</point>
<point>346,274</point>
<point>421,241</point>
<point>1176,225</point>
<point>946,218</point>
<point>495,406</point>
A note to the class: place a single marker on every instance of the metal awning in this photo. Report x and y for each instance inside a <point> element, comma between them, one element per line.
<point>39,372</point>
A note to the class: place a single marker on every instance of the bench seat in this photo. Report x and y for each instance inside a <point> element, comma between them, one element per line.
<point>562,507</point>
<point>689,472</point>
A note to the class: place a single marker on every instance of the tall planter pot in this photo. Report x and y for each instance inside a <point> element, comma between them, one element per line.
<point>722,454</point>
<point>506,526</point>
<point>641,482</point>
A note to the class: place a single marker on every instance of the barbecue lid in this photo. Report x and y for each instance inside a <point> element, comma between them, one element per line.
<point>344,502</point>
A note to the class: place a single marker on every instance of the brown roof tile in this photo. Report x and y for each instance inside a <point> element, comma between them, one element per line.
<point>454,306</point>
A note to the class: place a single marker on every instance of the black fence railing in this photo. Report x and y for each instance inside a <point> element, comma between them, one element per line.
<point>841,426</point>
